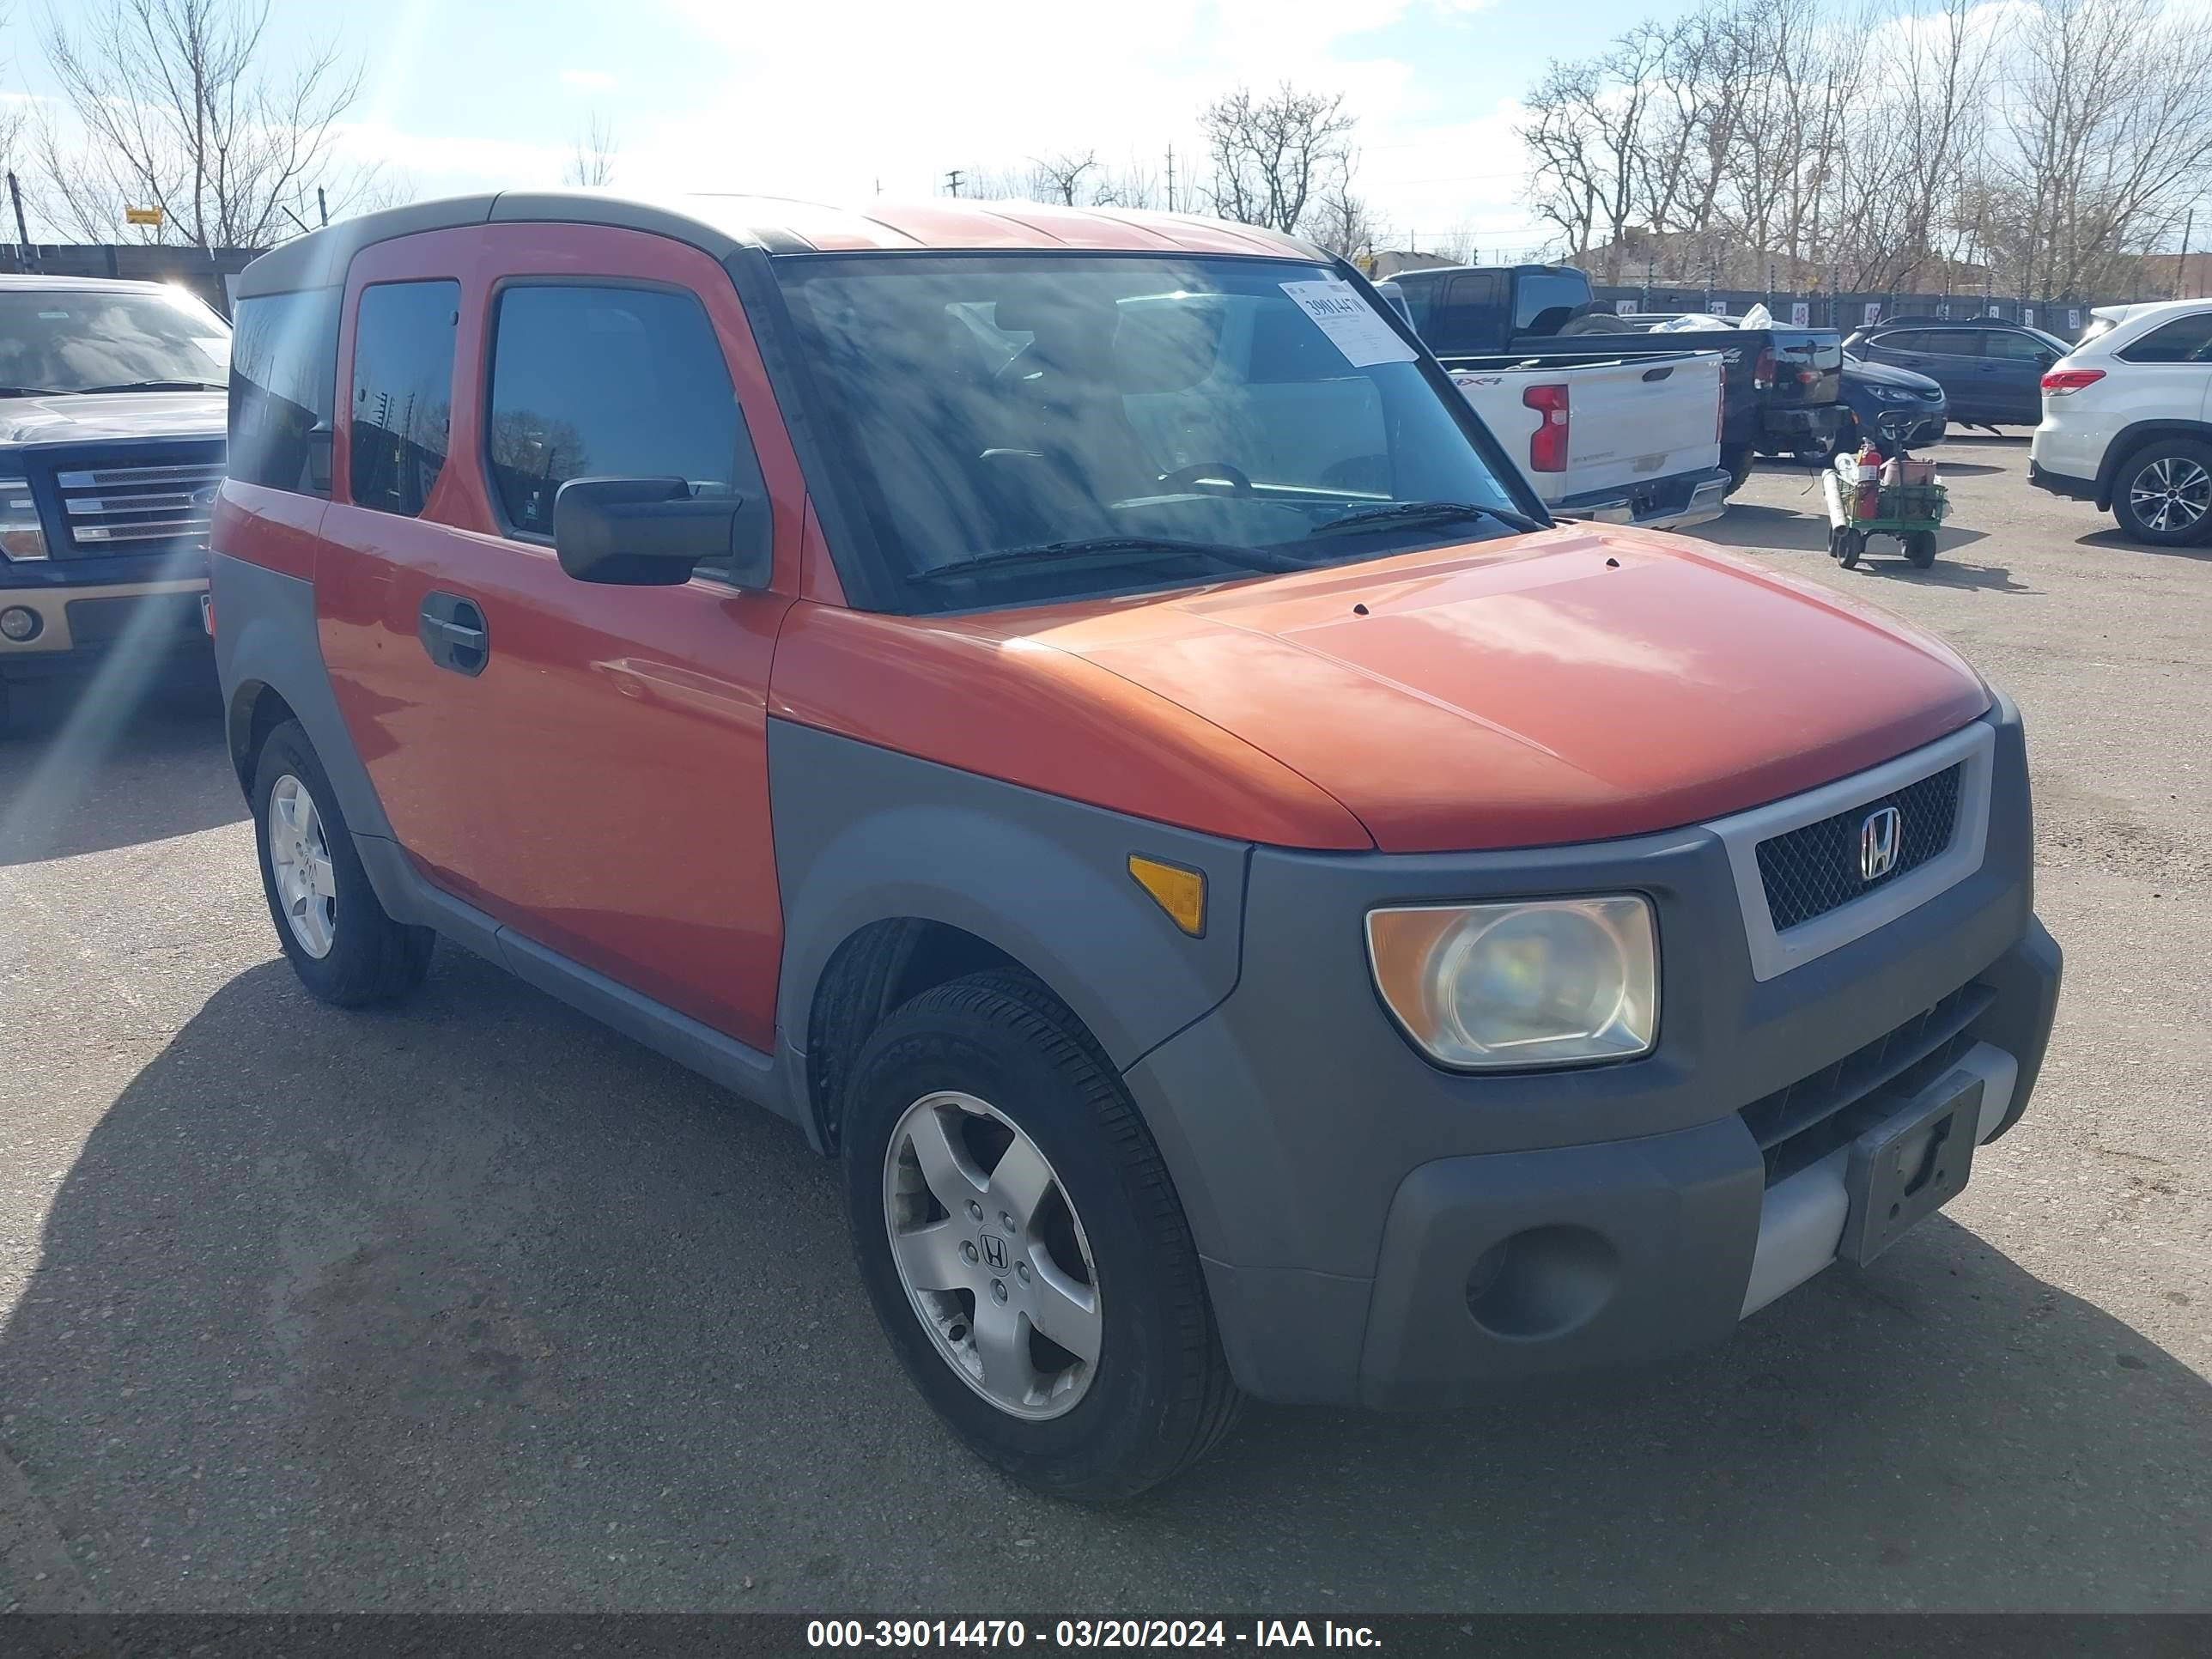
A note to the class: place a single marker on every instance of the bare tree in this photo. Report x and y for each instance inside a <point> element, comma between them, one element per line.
<point>1060,178</point>
<point>179,111</point>
<point>1342,223</point>
<point>592,158</point>
<point>2110,120</point>
<point>1588,134</point>
<point>1875,144</point>
<point>1273,156</point>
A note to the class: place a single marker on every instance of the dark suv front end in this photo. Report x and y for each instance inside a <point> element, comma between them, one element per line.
<point>111,451</point>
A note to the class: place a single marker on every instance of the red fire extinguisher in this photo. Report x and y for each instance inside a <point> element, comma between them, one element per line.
<point>1869,481</point>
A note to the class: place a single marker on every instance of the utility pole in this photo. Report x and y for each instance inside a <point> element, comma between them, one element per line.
<point>2180,265</point>
<point>22,231</point>
<point>952,180</point>
<point>322,207</point>
<point>1171,206</point>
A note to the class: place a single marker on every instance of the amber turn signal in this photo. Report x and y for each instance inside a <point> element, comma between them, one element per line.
<point>1179,892</point>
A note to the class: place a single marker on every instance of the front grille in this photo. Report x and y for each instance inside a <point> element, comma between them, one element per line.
<point>123,509</point>
<point>1813,870</point>
<point>1802,1123</point>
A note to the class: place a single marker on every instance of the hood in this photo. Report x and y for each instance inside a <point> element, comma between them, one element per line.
<point>106,417</point>
<point>1572,685</point>
<point>1862,373</point>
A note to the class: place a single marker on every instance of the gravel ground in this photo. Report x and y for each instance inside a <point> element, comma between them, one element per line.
<point>474,1305</point>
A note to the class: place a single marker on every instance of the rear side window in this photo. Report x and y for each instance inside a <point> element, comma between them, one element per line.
<point>1545,301</point>
<point>1943,342</point>
<point>2184,340</point>
<point>1471,315</point>
<point>283,381</point>
<point>2020,347</point>
<point>609,382</point>
<point>402,393</point>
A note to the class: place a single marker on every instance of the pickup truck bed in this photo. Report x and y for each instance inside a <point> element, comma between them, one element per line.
<point>1783,384</point>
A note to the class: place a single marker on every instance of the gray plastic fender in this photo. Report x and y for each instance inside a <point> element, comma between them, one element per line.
<point>864,834</point>
<point>265,635</point>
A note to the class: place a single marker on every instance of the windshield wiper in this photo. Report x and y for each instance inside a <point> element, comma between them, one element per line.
<point>31,392</point>
<point>1241,558</point>
<point>1423,512</point>
<point>160,386</point>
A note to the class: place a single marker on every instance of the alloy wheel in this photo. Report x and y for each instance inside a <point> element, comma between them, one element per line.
<point>2172,494</point>
<point>992,1254</point>
<point>299,863</point>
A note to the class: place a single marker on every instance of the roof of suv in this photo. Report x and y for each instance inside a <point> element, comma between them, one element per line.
<point>720,225</point>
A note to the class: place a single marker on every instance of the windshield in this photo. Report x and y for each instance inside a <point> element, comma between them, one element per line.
<point>1043,426</point>
<point>95,339</point>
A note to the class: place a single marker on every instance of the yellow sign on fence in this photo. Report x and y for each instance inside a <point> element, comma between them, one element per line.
<point>141,216</point>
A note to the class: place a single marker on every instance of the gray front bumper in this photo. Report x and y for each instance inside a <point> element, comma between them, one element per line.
<point>1348,1196</point>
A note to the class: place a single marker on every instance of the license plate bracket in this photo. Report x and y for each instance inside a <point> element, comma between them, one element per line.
<point>1910,1164</point>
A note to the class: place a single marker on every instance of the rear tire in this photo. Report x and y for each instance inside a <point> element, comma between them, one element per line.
<point>995,1068</point>
<point>1851,548</point>
<point>345,949</point>
<point>2162,494</point>
<point>1739,464</point>
<point>1920,548</point>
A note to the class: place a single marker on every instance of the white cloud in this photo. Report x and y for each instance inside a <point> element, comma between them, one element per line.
<point>590,80</point>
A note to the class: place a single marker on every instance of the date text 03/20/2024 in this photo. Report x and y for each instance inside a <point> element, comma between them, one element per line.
<point>1086,1633</point>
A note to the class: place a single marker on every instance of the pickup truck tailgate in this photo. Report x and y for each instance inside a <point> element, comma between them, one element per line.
<point>1630,421</point>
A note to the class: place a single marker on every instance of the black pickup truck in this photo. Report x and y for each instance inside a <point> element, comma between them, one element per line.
<point>111,454</point>
<point>1780,386</point>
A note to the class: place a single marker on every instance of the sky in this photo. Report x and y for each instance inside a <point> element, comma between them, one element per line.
<point>843,100</point>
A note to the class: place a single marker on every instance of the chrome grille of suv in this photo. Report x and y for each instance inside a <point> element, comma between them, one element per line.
<point>117,509</point>
<point>1811,870</point>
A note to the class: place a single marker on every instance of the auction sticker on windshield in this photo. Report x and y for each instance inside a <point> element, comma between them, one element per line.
<point>1353,326</point>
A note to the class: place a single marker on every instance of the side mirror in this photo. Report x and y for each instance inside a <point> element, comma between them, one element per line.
<point>655,533</point>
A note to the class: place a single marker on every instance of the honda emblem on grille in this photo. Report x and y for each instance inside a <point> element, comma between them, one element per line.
<point>1879,835</point>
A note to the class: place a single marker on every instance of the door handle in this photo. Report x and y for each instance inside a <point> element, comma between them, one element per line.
<point>452,632</point>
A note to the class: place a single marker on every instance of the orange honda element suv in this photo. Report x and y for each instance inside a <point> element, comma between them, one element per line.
<point>1073,709</point>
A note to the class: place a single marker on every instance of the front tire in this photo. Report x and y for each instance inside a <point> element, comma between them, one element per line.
<point>2162,495</point>
<point>1019,1235</point>
<point>346,951</point>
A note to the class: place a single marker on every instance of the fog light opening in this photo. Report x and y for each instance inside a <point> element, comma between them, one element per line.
<point>1542,1282</point>
<point>21,624</point>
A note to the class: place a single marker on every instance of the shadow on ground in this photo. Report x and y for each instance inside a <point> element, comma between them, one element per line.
<point>2113,540</point>
<point>470,1305</point>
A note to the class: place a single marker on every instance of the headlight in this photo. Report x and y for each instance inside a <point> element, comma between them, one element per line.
<point>1543,982</point>
<point>1896,394</point>
<point>22,536</point>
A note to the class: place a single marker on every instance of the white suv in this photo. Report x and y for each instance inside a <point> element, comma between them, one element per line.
<point>2127,424</point>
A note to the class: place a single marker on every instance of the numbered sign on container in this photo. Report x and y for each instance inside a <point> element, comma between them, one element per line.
<point>2027,316</point>
<point>1717,307</point>
<point>1801,312</point>
<point>2074,317</point>
<point>1623,307</point>
<point>1872,312</point>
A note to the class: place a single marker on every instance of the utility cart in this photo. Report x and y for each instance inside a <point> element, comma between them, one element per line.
<point>1905,500</point>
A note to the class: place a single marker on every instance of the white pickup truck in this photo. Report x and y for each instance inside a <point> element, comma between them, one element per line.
<point>1629,439</point>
